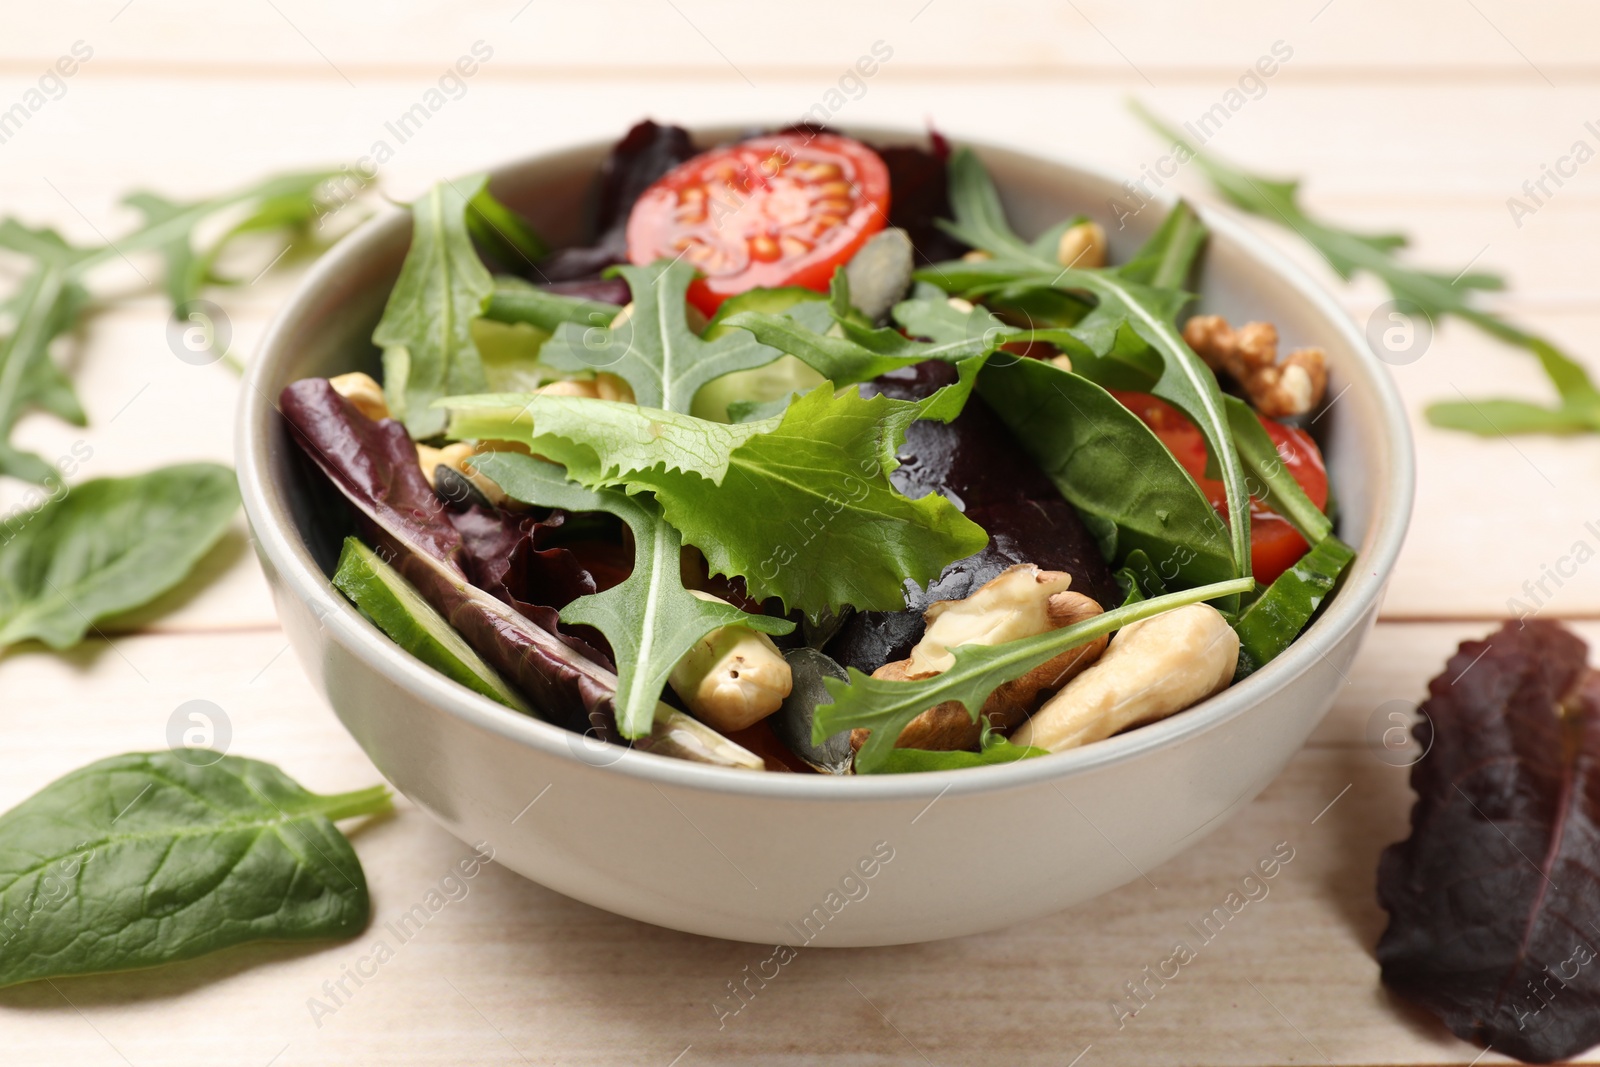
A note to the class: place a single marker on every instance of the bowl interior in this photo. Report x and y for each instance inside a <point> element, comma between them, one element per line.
<point>326,330</point>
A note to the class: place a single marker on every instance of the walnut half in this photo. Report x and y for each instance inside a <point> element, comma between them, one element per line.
<point>1250,356</point>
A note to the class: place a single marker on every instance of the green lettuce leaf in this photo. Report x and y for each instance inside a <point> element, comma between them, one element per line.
<point>426,329</point>
<point>650,619</point>
<point>799,505</point>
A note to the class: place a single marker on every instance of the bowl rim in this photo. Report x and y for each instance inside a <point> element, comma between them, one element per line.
<point>279,543</point>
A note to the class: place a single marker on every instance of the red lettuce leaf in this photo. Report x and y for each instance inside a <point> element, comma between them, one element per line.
<point>374,464</point>
<point>1493,898</point>
<point>645,153</point>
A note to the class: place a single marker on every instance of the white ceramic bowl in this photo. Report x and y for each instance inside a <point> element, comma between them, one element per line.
<point>803,859</point>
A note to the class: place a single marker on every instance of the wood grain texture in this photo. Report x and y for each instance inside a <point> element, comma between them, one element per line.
<point>1425,116</point>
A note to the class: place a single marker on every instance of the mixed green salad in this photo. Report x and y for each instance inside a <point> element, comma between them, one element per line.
<point>808,461</point>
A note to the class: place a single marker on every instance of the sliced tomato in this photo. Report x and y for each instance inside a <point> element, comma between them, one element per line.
<point>1275,545</point>
<point>767,212</point>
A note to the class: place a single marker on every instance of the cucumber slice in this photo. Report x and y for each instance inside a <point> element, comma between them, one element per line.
<point>774,381</point>
<point>396,608</point>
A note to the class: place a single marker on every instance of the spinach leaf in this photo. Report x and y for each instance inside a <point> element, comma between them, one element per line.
<point>145,859</point>
<point>885,707</point>
<point>1269,625</point>
<point>650,619</point>
<point>107,546</point>
<point>1436,294</point>
<point>1112,467</point>
<point>654,350</point>
<point>426,329</point>
<point>1125,301</point>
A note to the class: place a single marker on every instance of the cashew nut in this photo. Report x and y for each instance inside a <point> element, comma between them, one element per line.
<point>457,457</point>
<point>1153,668</point>
<point>363,392</point>
<point>1083,245</point>
<point>1021,601</point>
<point>733,677</point>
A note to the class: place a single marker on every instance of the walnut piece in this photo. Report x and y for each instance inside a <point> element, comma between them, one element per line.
<point>1249,355</point>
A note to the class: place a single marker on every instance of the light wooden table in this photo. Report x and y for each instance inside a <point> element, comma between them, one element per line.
<point>1425,116</point>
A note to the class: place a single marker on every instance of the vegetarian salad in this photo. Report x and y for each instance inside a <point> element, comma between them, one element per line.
<point>810,462</point>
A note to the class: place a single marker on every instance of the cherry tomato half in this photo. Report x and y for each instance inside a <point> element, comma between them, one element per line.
<point>767,212</point>
<point>1274,543</point>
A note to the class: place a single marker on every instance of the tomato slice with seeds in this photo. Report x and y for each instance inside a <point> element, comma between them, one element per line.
<point>771,211</point>
<point>1275,545</point>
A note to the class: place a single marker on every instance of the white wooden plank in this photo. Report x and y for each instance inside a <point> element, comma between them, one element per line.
<point>513,970</point>
<point>1153,41</point>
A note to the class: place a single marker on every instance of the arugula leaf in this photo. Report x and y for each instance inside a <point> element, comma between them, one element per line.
<point>1437,294</point>
<point>785,503</point>
<point>1123,303</point>
<point>992,749</point>
<point>109,545</point>
<point>147,858</point>
<point>426,329</point>
<point>1268,626</point>
<point>286,202</point>
<point>1270,479</point>
<point>654,350</point>
<point>513,303</point>
<point>650,619</point>
<point>46,306</point>
<point>885,707</point>
<point>1112,467</point>
<point>846,360</point>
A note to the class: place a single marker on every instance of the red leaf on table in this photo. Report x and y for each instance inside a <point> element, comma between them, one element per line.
<point>1494,899</point>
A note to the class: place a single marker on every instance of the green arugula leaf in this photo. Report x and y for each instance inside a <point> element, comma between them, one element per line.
<point>654,350</point>
<point>782,503</point>
<point>992,750</point>
<point>650,619</point>
<point>1437,294</point>
<point>149,858</point>
<point>1111,467</point>
<point>514,301</point>
<point>885,707</point>
<point>1268,626</point>
<point>1271,481</point>
<point>285,202</point>
<point>426,329</point>
<point>47,305</point>
<point>107,546</point>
